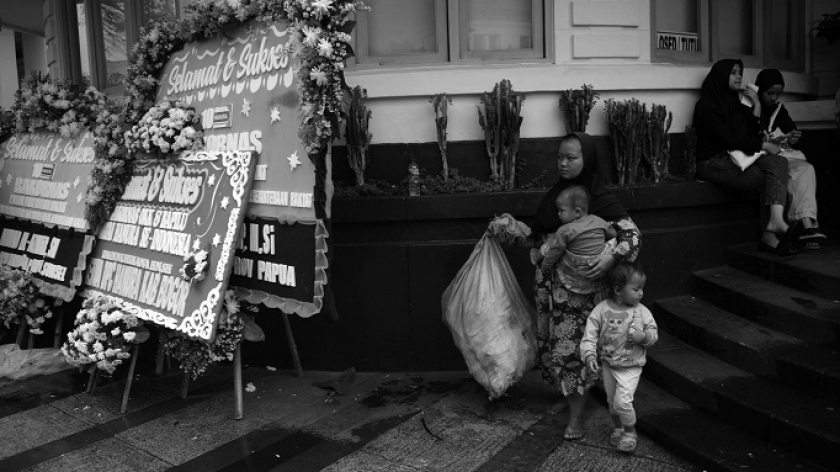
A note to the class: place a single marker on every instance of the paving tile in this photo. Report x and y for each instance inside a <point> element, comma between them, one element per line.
<point>364,462</point>
<point>190,432</point>
<point>106,402</point>
<point>110,455</point>
<point>35,427</point>
<point>465,440</point>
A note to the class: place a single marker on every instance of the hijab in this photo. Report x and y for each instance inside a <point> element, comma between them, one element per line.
<point>601,202</point>
<point>717,97</point>
<point>768,78</point>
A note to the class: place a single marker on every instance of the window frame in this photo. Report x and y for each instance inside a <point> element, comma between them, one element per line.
<point>750,60</point>
<point>134,20</point>
<point>669,56</point>
<point>453,41</point>
<point>796,65</point>
<point>459,37</point>
<point>364,58</point>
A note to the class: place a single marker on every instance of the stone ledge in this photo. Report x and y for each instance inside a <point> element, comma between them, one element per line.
<point>677,194</point>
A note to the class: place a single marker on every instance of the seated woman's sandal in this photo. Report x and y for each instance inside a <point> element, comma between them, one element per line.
<point>811,239</point>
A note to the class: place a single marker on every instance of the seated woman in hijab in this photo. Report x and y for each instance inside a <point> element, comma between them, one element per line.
<point>725,128</point>
<point>781,129</point>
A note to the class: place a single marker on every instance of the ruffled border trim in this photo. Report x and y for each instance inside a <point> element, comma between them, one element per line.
<point>290,305</point>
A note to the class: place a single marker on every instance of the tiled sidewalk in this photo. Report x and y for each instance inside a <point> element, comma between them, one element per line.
<point>436,421</point>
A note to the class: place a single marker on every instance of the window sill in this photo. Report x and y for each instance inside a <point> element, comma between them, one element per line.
<point>426,80</point>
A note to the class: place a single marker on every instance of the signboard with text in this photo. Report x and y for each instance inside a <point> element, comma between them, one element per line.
<point>56,256</point>
<point>43,178</point>
<point>43,181</point>
<point>174,212</point>
<point>681,42</point>
<point>244,87</point>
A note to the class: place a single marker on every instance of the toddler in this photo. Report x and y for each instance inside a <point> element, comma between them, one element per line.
<point>618,332</point>
<point>581,238</point>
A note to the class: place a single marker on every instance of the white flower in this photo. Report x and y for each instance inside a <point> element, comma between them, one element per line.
<point>115,332</point>
<point>322,6</point>
<point>319,76</point>
<point>325,48</point>
<point>98,347</point>
<point>129,336</point>
<point>311,35</point>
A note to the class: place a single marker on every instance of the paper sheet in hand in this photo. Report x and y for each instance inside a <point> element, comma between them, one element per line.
<point>743,160</point>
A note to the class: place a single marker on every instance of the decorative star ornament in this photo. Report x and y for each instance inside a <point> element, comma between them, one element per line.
<point>216,239</point>
<point>76,182</point>
<point>275,114</point>
<point>8,179</point>
<point>294,161</point>
<point>80,198</point>
<point>225,202</point>
<point>211,181</point>
<point>246,107</point>
<point>196,244</point>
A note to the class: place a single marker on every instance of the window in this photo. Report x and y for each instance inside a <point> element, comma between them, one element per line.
<point>761,33</point>
<point>458,31</point>
<point>681,30</point>
<point>737,29</point>
<point>106,29</point>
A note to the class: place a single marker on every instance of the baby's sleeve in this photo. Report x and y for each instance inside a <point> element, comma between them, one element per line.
<point>589,342</point>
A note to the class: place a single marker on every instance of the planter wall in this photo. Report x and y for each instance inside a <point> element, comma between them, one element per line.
<point>394,256</point>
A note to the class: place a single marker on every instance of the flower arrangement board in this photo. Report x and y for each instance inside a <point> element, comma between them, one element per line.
<point>243,84</point>
<point>44,177</point>
<point>167,249</point>
<point>55,256</point>
<point>269,270</point>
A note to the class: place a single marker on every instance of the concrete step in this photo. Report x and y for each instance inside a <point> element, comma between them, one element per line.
<point>813,272</point>
<point>790,311</point>
<point>798,364</point>
<point>802,425</point>
<point>709,443</point>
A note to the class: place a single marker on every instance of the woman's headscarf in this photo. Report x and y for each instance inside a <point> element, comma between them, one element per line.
<point>601,203</point>
<point>768,78</point>
<point>715,95</point>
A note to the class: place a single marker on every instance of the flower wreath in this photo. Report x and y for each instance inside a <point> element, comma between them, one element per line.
<point>319,37</point>
<point>20,300</point>
<point>103,334</point>
<point>195,356</point>
<point>169,127</point>
<point>195,266</point>
<point>55,106</point>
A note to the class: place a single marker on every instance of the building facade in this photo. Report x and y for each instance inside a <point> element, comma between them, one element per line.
<point>656,51</point>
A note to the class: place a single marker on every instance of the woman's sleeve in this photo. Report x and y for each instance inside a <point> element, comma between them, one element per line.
<point>720,133</point>
<point>629,240</point>
<point>784,122</point>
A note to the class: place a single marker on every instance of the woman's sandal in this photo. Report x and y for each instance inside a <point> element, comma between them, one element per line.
<point>615,437</point>
<point>811,239</point>
<point>786,240</point>
<point>628,442</point>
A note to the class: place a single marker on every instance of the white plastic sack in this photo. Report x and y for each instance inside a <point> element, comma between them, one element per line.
<point>491,321</point>
<point>19,364</point>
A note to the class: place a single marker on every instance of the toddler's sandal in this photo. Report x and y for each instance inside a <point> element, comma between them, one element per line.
<point>627,443</point>
<point>615,437</point>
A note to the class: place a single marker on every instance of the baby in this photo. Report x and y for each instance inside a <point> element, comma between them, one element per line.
<point>581,238</point>
<point>618,332</point>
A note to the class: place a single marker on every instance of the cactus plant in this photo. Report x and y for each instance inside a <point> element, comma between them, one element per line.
<point>357,134</point>
<point>690,152</point>
<point>501,121</point>
<point>439,103</point>
<point>638,136</point>
<point>576,106</point>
